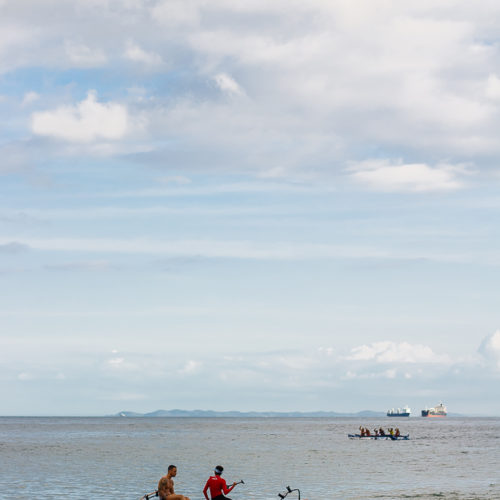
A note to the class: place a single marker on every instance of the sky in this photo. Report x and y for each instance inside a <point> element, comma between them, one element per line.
<point>287,205</point>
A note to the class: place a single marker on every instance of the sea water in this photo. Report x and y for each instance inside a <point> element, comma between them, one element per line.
<point>123,458</point>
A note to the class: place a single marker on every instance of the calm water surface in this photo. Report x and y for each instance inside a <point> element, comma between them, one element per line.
<point>123,458</point>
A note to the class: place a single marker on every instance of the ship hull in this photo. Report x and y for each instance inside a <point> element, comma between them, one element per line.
<point>398,414</point>
<point>405,437</point>
<point>428,414</point>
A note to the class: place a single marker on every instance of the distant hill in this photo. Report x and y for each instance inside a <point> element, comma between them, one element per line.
<point>269,414</point>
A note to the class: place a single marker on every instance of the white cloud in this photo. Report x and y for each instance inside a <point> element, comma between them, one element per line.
<point>116,361</point>
<point>120,365</point>
<point>493,87</point>
<point>384,175</point>
<point>176,13</point>
<point>391,352</point>
<point>241,249</point>
<point>327,351</point>
<point>228,84</point>
<point>391,373</point>
<point>191,367</point>
<point>490,349</point>
<point>397,76</point>
<point>29,98</point>
<point>135,53</point>
<point>85,122</point>
<point>82,56</point>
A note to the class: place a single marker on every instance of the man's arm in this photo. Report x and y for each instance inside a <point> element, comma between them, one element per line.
<point>225,489</point>
<point>205,489</point>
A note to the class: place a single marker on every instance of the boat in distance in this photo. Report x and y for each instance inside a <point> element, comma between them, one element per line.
<point>402,437</point>
<point>399,412</point>
<point>438,411</point>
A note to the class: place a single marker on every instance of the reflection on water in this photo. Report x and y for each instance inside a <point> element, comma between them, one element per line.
<point>82,458</point>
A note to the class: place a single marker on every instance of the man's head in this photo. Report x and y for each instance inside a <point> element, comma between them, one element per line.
<point>172,470</point>
<point>218,470</point>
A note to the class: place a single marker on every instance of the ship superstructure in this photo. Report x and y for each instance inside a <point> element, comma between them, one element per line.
<point>399,412</point>
<point>438,411</point>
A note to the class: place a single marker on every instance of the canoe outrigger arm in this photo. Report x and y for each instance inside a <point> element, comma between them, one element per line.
<point>288,490</point>
<point>147,496</point>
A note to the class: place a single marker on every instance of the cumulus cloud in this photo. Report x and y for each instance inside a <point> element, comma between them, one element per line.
<point>490,349</point>
<point>310,102</point>
<point>135,53</point>
<point>391,352</point>
<point>384,175</point>
<point>85,122</point>
<point>228,84</point>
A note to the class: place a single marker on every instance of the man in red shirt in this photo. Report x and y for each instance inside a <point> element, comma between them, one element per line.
<point>217,486</point>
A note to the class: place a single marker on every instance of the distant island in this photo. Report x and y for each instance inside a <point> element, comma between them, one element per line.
<point>247,414</point>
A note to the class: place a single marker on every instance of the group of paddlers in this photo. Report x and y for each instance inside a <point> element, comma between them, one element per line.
<point>364,431</point>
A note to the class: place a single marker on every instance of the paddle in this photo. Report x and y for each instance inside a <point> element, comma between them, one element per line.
<point>288,490</point>
<point>147,496</point>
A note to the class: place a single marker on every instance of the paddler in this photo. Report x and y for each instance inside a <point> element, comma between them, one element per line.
<point>166,486</point>
<point>217,485</point>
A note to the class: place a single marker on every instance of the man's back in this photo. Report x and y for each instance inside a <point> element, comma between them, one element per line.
<point>165,487</point>
<point>216,485</point>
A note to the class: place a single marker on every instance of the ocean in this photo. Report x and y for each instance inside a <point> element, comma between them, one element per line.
<point>123,458</point>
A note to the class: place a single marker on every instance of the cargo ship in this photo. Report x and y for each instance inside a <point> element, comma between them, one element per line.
<point>399,412</point>
<point>438,411</point>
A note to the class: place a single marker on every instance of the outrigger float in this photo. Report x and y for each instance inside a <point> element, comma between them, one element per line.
<point>401,437</point>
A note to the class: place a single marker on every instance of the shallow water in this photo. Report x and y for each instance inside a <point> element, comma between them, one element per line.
<point>83,458</point>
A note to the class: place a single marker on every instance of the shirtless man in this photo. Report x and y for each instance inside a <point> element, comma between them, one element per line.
<point>166,486</point>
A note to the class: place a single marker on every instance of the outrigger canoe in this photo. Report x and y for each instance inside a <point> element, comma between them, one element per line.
<point>387,436</point>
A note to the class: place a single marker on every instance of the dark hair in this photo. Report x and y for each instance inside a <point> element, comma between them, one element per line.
<point>170,467</point>
<point>218,469</point>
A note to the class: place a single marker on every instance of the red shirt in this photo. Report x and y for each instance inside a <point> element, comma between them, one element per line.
<point>217,487</point>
